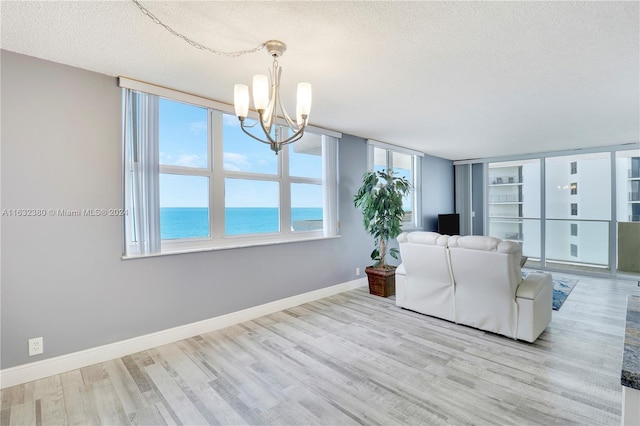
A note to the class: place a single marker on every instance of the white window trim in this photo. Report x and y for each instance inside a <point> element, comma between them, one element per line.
<point>217,175</point>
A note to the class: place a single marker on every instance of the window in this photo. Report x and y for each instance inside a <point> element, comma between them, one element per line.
<point>195,181</point>
<point>513,193</point>
<point>574,209</point>
<point>574,229</point>
<point>405,163</point>
<point>574,188</point>
<point>574,167</point>
<point>184,170</point>
<point>574,250</point>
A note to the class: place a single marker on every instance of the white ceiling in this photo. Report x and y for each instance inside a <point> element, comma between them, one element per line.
<point>457,80</point>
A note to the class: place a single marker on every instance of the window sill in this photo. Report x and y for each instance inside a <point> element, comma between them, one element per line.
<point>184,247</point>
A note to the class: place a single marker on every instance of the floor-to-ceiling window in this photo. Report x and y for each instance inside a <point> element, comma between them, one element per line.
<point>575,210</point>
<point>514,204</point>
<point>578,210</point>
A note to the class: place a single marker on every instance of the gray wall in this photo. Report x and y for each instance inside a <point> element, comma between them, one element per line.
<point>63,278</point>
<point>437,190</point>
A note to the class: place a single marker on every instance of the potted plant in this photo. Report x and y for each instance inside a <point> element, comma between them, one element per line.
<point>380,199</point>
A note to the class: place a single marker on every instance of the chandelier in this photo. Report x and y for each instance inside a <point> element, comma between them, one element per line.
<point>267,101</point>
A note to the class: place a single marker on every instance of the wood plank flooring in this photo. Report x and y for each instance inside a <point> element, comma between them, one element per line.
<point>354,359</point>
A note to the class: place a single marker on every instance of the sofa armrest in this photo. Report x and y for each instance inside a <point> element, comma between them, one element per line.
<point>400,270</point>
<point>533,284</point>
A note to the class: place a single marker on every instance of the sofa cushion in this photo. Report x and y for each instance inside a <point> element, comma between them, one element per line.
<point>475,242</point>
<point>421,237</point>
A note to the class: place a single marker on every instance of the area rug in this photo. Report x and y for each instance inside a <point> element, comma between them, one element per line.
<point>561,290</point>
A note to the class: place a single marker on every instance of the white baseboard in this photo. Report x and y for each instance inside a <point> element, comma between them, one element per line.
<point>60,364</point>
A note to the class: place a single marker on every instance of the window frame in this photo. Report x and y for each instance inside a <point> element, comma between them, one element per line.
<point>217,175</point>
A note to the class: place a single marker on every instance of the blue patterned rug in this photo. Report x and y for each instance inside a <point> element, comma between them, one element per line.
<point>561,290</point>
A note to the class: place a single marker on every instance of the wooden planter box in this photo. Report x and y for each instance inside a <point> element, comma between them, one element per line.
<point>381,283</point>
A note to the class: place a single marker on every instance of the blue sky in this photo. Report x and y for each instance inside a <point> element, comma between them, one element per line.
<point>183,142</point>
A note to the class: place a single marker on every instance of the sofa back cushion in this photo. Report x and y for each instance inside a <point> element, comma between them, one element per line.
<point>486,272</point>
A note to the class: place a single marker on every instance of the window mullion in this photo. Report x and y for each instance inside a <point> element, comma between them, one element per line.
<point>188,171</point>
<point>285,192</point>
<point>216,197</point>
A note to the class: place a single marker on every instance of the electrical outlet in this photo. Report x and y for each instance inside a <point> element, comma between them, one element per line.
<point>35,346</point>
<point>357,272</point>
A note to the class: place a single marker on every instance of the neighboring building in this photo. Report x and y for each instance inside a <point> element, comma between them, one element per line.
<point>514,204</point>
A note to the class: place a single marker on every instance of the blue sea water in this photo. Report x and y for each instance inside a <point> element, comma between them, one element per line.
<point>193,222</point>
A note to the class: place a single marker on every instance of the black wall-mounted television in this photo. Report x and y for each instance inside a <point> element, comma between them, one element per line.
<point>449,224</point>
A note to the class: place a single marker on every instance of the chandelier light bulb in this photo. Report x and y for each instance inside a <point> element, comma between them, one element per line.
<point>260,91</point>
<point>304,99</point>
<point>241,100</point>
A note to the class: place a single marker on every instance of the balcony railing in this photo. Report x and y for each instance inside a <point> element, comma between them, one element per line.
<point>634,173</point>
<point>505,198</point>
<point>634,218</point>
<point>501,180</point>
<point>307,225</point>
<point>505,214</point>
<point>513,236</point>
<point>634,196</point>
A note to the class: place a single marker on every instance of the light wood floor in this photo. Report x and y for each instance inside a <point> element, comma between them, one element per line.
<point>354,359</point>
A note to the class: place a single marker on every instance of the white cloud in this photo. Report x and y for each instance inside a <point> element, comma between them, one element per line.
<point>197,126</point>
<point>191,160</point>
<point>230,120</point>
<point>236,162</point>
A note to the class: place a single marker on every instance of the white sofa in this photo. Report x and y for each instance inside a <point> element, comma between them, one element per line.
<point>475,281</point>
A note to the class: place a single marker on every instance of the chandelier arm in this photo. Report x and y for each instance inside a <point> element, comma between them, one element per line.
<point>267,132</point>
<point>286,116</point>
<point>278,97</point>
<point>272,110</point>
<point>242,126</point>
<point>295,137</point>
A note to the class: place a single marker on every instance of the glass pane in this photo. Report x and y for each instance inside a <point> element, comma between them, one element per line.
<point>589,247</point>
<point>514,204</point>
<point>403,166</point>
<point>306,207</point>
<point>305,157</point>
<point>591,176</point>
<point>379,159</point>
<point>628,209</point>
<point>628,185</point>
<point>251,206</point>
<point>526,232</point>
<point>244,154</point>
<point>184,211</point>
<point>183,134</point>
<point>514,189</point>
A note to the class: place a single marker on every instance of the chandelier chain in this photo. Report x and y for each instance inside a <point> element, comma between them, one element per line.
<point>195,44</point>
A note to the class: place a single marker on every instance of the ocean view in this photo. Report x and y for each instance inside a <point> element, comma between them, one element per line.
<point>193,222</point>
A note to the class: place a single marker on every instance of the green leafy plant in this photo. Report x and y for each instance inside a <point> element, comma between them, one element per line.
<point>380,199</point>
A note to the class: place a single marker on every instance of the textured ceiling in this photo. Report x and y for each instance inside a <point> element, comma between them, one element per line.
<point>453,79</point>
